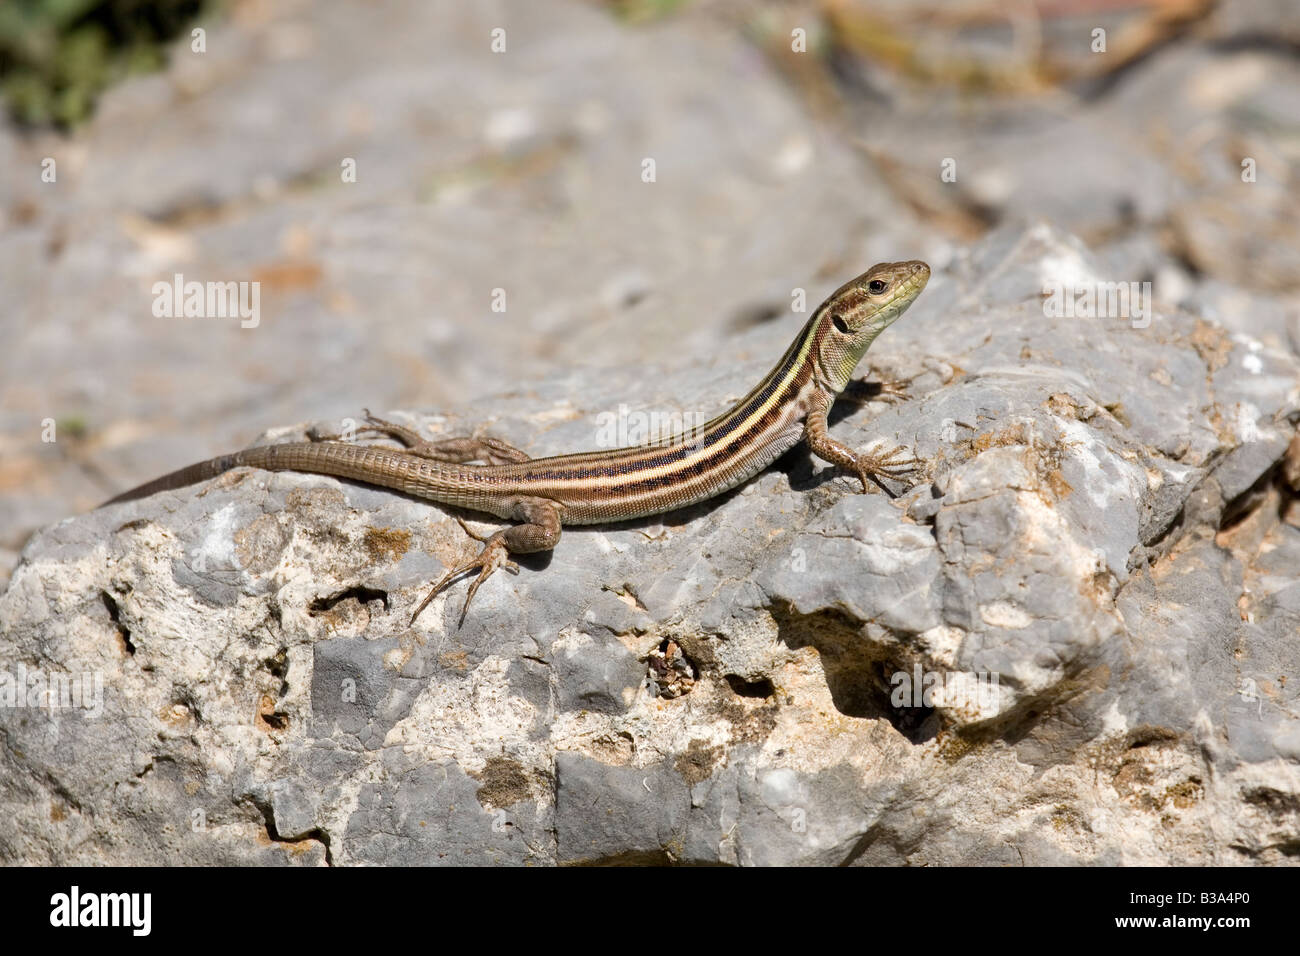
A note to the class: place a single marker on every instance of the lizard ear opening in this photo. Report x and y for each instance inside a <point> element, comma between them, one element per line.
<point>840,326</point>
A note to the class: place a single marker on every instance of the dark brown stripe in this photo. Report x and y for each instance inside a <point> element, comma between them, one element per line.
<point>714,432</point>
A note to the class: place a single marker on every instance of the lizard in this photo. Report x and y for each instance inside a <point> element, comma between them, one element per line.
<point>789,405</point>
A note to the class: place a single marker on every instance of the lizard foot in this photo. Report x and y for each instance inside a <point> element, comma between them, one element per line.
<point>875,465</point>
<point>876,388</point>
<point>493,451</point>
<point>891,389</point>
<point>494,555</point>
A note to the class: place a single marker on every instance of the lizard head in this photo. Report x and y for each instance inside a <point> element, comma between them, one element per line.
<point>860,310</point>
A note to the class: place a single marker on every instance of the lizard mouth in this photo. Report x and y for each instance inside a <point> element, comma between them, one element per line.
<point>909,288</point>
<point>919,277</point>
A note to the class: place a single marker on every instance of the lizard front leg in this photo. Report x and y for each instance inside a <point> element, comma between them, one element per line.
<point>539,532</point>
<point>864,464</point>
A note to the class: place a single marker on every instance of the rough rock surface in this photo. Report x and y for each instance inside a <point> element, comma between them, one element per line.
<point>475,172</point>
<point>1107,530</point>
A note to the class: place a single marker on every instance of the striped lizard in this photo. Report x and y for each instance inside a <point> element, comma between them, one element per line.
<point>788,406</point>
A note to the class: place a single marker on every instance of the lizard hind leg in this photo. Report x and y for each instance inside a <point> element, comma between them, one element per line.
<point>456,450</point>
<point>539,532</point>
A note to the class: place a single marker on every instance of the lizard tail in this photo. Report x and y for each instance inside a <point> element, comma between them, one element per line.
<point>384,467</point>
<point>190,475</point>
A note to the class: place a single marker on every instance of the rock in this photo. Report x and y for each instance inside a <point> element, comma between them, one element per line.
<point>1071,644</point>
<point>474,172</point>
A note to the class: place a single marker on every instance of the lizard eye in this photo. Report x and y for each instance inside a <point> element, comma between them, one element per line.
<point>876,286</point>
<point>839,324</point>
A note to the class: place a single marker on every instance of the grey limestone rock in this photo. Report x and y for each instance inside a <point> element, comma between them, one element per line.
<point>1074,641</point>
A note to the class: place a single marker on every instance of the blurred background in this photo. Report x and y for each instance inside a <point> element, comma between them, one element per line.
<point>794,144</point>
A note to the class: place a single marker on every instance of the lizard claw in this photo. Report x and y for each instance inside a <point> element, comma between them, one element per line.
<point>877,388</point>
<point>891,389</point>
<point>494,555</point>
<point>875,465</point>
